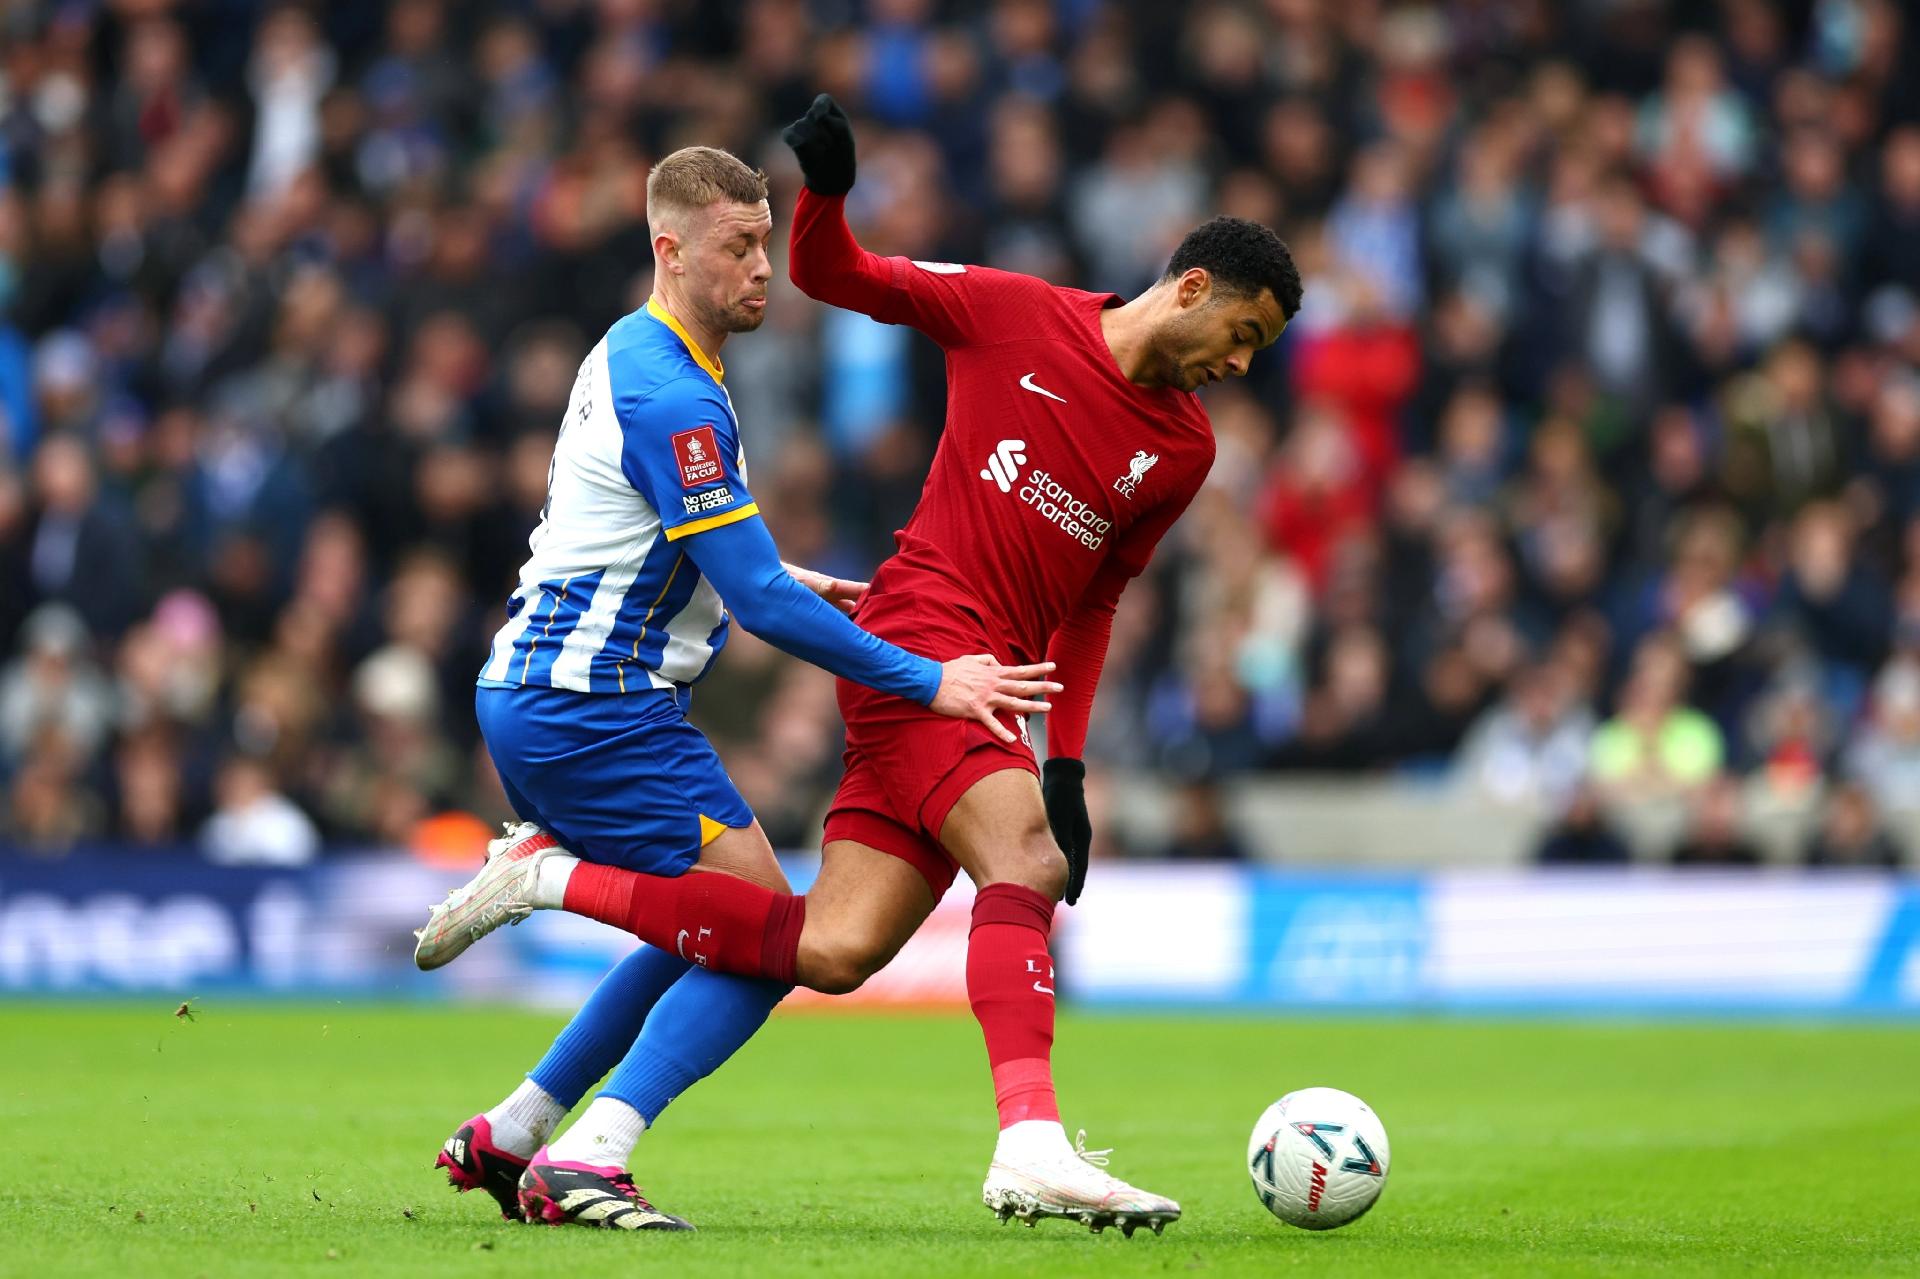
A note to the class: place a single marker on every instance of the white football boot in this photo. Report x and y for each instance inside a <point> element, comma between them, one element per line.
<point>1074,1187</point>
<point>502,893</point>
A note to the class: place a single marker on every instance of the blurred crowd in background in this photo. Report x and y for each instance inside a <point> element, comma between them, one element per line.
<point>1588,476</point>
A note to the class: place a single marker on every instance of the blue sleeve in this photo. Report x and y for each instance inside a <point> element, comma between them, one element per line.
<point>680,448</point>
<point>740,560</point>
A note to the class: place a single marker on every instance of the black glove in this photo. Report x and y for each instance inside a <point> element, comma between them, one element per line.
<point>822,140</point>
<point>1063,785</point>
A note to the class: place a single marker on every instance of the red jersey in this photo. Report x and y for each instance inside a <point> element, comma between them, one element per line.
<point>1055,477</point>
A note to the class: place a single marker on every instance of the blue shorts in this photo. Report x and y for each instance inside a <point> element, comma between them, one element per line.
<point>619,778</point>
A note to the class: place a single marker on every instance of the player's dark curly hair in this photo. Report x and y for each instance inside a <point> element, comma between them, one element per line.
<point>1243,257</point>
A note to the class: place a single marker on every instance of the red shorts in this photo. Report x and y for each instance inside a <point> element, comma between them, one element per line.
<point>906,766</point>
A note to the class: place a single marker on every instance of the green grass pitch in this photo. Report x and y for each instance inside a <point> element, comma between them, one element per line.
<point>262,1140</point>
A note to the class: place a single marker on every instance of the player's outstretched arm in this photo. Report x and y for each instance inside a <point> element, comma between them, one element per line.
<point>825,261</point>
<point>740,560</point>
<point>952,304</point>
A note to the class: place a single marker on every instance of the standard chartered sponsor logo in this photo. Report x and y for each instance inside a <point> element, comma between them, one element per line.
<point>1065,511</point>
<point>1046,495</point>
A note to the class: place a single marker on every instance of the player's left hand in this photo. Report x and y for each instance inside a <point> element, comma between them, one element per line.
<point>822,141</point>
<point>1063,786</point>
<point>837,591</point>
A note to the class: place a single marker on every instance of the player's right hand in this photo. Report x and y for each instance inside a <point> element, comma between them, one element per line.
<point>977,686</point>
<point>822,140</point>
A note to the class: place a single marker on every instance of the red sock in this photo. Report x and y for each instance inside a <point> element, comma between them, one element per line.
<point>1010,985</point>
<point>705,917</point>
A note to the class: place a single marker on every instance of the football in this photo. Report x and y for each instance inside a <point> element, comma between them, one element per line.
<point>1318,1158</point>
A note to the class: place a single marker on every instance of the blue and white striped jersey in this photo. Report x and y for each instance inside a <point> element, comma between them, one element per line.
<point>649,454</point>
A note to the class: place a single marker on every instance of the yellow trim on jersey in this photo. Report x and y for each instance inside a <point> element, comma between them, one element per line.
<point>721,520</point>
<point>659,312</point>
<point>552,613</point>
<point>666,586</point>
<point>711,830</point>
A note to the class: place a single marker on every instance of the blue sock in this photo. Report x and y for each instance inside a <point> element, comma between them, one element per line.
<point>700,1022</point>
<point>607,1024</point>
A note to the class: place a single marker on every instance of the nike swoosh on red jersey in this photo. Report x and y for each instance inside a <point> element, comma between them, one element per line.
<point>1027,384</point>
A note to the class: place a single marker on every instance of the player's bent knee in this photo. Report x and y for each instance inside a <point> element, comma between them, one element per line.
<point>1049,874</point>
<point>841,966</point>
<point>836,979</point>
<point>839,972</point>
<point>1027,856</point>
<point>1037,864</point>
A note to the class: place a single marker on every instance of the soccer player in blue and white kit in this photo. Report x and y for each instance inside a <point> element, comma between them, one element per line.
<point>649,539</point>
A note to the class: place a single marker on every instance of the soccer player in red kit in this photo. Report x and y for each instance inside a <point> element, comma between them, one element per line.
<point>1073,442</point>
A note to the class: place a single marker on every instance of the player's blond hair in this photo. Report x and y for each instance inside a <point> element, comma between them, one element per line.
<point>694,177</point>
